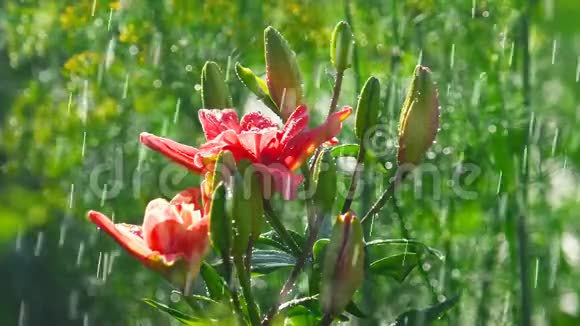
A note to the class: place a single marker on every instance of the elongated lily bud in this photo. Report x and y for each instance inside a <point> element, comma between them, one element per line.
<point>220,222</point>
<point>324,177</point>
<point>282,73</point>
<point>245,208</point>
<point>214,90</point>
<point>343,269</point>
<point>341,46</point>
<point>367,110</point>
<point>257,86</point>
<point>419,118</point>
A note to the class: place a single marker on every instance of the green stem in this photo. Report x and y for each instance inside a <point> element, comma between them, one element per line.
<point>407,235</point>
<point>282,232</point>
<point>244,277</point>
<point>355,63</point>
<point>336,91</point>
<point>385,196</point>
<point>314,223</point>
<point>522,237</point>
<point>354,180</point>
<point>233,291</point>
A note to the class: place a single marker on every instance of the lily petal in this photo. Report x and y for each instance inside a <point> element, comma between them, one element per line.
<point>123,235</point>
<point>214,122</point>
<point>181,154</point>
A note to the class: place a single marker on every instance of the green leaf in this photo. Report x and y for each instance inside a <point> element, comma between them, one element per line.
<point>354,310</point>
<point>216,286</point>
<point>257,86</point>
<point>397,266</point>
<point>178,315</point>
<point>272,239</point>
<point>407,242</point>
<point>318,249</point>
<point>416,317</point>
<point>268,261</point>
<point>351,150</point>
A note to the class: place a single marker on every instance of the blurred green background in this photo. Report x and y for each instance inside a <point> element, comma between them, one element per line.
<point>79,80</point>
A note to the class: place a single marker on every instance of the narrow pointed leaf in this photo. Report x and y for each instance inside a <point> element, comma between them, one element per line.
<point>426,316</point>
<point>397,266</point>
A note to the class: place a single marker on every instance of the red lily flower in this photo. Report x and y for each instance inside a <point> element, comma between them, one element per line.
<point>174,235</point>
<point>275,153</point>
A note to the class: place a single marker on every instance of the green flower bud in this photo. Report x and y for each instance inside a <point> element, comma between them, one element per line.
<point>324,177</point>
<point>343,268</point>
<point>214,90</point>
<point>367,110</point>
<point>282,73</point>
<point>257,86</point>
<point>419,120</point>
<point>220,222</point>
<point>245,207</point>
<point>341,46</point>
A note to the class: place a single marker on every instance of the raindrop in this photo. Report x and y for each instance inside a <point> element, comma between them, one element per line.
<point>110,19</point>
<point>110,56</point>
<point>22,314</point>
<point>156,48</point>
<point>126,86</point>
<point>511,60</point>
<point>84,145</point>
<point>133,50</point>
<point>452,58</point>
<point>536,274</point>
<point>389,165</point>
<point>104,195</point>
<point>554,49</point>
<point>485,14</point>
<point>578,70</point>
<point>19,237</point>
<point>177,107</point>
<point>70,98</point>
<point>62,234</point>
<point>175,297</point>
<point>73,302</point>
<point>197,87</point>
<point>157,83</point>
<point>105,267</point>
<point>84,105</point>
<point>555,141</point>
<point>99,264</point>
<point>39,243</point>
<point>189,68</point>
<point>80,252</point>
<point>71,195</point>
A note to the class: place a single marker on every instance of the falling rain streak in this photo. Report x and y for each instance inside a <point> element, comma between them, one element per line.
<point>177,108</point>
<point>39,243</point>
